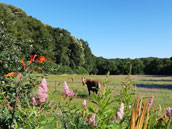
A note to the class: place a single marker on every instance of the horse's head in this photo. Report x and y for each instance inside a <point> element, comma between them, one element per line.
<point>83,79</point>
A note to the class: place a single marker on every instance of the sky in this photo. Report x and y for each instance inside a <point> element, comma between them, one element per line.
<point>113,28</point>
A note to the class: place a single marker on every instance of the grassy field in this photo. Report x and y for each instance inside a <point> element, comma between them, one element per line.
<point>158,86</point>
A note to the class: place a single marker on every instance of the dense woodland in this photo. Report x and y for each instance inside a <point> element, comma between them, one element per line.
<point>22,35</point>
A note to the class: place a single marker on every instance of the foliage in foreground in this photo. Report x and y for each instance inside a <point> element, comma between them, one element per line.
<point>23,105</point>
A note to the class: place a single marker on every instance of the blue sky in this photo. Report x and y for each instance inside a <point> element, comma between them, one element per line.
<point>113,28</point>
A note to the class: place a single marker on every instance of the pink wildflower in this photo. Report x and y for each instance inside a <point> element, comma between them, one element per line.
<point>44,84</point>
<point>91,121</point>
<point>120,113</point>
<point>121,110</point>
<point>84,103</point>
<point>67,91</point>
<point>43,98</point>
<point>151,101</point>
<point>33,100</point>
<point>66,86</point>
<point>169,112</point>
<point>71,93</point>
<point>129,106</point>
<point>41,93</point>
<point>112,117</point>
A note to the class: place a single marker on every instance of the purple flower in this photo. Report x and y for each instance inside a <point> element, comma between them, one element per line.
<point>84,103</point>
<point>151,101</point>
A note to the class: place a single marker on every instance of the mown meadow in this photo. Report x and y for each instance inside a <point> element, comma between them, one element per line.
<point>147,85</point>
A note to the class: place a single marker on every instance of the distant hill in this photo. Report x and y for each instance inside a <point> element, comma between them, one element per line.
<point>45,40</point>
<point>22,35</point>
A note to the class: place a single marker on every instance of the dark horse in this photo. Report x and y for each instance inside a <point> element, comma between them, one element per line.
<point>92,85</point>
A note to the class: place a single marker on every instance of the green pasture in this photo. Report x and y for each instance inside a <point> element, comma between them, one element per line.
<point>158,86</point>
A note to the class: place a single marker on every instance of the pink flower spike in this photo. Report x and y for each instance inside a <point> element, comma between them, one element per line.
<point>44,84</point>
<point>129,107</point>
<point>71,93</point>
<point>112,117</point>
<point>43,98</point>
<point>33,100</point>
<point>66,86</point>
<point>67,91</point>
<point>84,103</point>
<point>169,112</point>
<point>119,116</point>
<point>120,113</point>
<point>122,106</point>
<point>151,101</point>
<point>41,93</point>
<point>92,120</point>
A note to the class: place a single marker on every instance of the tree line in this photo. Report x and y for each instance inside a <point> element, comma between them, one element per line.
<point>22,35</point>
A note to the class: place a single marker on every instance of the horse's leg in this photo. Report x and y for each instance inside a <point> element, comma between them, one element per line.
<point>89,91</point>
<point>96,91</point>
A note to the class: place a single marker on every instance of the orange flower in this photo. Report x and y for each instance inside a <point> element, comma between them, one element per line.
<point>22,61</point>
<point>32,59</point>
<point>10,74</point>
<point>13,74</point>
<point>42,59</point>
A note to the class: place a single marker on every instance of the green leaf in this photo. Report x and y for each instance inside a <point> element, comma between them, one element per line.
<point>169,122</point>
<point>90,109</point>
<point>16,125</point>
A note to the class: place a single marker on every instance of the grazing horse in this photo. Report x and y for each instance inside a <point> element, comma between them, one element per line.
<point>92,85</point>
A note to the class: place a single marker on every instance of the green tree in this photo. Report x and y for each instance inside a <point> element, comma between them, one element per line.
<point>137,67</point>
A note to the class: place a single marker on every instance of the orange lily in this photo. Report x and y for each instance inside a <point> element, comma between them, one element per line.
<point>32,59</point>
<point>10,74</point>
<point>22,61</point>
<point>42,59</point>
<point>13,74</point>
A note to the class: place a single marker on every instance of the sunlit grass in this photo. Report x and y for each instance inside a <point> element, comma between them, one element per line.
<point>153,86</point>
